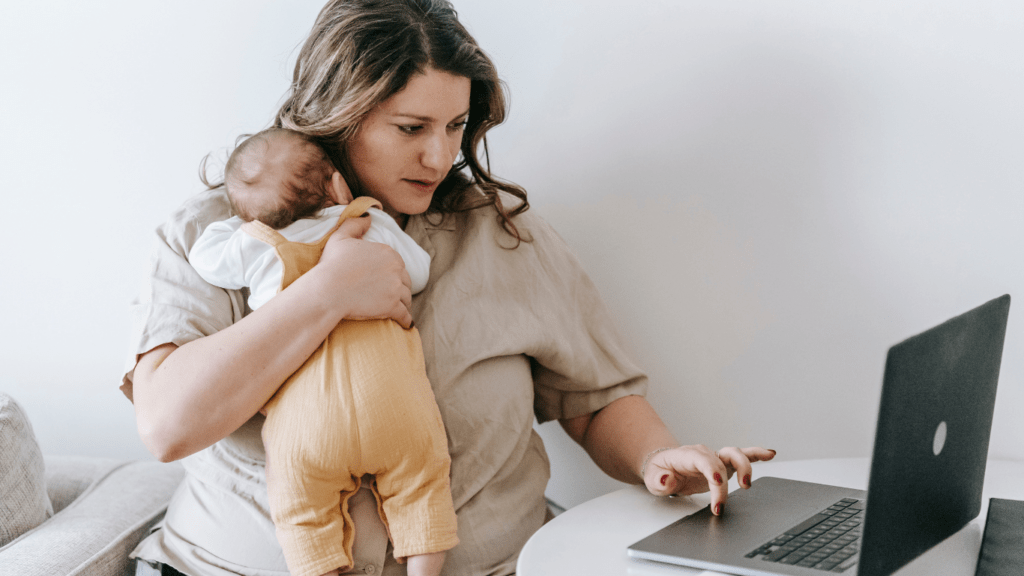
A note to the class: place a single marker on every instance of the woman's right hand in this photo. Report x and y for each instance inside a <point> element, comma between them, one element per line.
<point>370,277</point>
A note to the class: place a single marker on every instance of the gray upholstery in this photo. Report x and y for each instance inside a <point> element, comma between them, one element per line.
<point>24,503</point>
<point>102,509</point>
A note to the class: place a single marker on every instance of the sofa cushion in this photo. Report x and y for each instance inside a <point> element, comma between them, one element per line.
<point>68,477</point>
<point>94,535</point>
<point>25,503</point>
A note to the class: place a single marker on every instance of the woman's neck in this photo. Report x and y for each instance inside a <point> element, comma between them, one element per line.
<point>402,219</point>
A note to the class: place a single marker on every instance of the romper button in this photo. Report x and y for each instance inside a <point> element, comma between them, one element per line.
<point>371,569</point>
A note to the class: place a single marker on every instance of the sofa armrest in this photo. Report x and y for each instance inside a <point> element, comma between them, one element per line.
<point>94,534</point>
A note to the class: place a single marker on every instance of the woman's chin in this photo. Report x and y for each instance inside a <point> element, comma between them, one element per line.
<point>414,208</point>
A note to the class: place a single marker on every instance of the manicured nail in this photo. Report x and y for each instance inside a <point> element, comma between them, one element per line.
<point>746,480</point>
<point>718,509</point>
<point>718,477</point>
<point>772,451</point>
<point>664,479</point>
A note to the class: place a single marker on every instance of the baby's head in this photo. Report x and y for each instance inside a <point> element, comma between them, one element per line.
<point>278,176</point>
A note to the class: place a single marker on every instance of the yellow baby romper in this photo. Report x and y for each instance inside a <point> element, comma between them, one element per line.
<point>361,404</point>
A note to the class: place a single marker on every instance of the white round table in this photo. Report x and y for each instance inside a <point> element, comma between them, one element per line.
<point>592,538</point>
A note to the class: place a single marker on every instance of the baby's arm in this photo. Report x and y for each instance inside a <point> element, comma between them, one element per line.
<point>227,257</point>
<point>385,230</point>
<point>217,254</point>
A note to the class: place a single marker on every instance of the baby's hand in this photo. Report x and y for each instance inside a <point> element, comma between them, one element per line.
<point>341,192</point>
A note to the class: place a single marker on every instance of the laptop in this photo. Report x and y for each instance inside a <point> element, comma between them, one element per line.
<point>927,472</point>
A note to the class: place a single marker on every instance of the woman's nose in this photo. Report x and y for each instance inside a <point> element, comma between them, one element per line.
<point>437,154</point>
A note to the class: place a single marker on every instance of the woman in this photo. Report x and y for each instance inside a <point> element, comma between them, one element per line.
<point>401,96</point>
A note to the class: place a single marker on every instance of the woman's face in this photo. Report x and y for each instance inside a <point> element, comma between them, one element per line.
<point>406,145</point>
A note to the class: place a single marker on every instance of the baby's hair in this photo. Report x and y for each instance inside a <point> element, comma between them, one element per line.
<point>304,191</point>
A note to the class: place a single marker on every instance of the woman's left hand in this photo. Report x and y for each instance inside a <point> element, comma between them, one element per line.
<point>696,469</point>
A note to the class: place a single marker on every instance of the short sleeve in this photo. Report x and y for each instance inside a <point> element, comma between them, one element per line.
<point>582,364</point>
<point>490,297</point>
<point>175,305</point>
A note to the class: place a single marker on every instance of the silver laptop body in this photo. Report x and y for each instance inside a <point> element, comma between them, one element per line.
<point>927,470</point>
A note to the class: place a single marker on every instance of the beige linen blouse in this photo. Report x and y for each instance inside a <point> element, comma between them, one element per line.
<point>508,335</point>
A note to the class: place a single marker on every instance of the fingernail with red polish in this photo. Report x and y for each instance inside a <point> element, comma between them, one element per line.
<point>718,509</point>
<point>664,479</point>
<point>746,480</point>
<point>718,477</point>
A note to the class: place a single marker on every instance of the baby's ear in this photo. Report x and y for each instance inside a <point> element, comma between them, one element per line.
<point>342,193</point>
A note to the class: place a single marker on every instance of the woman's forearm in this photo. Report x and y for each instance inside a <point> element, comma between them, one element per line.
<point>189,397</point>
<point>627,434</point>
<point>620,435</point>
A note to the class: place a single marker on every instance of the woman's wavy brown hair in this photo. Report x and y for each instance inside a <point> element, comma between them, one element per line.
<point>361,52</point>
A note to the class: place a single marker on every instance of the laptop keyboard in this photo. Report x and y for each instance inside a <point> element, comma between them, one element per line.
<point>829,540</point>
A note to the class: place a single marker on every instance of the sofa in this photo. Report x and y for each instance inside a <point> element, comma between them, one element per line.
<point>73,515</point>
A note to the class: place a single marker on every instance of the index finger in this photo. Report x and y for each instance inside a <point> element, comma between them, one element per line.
<point>718,486</point>
<point>352,228</point>
<point>404,316</point>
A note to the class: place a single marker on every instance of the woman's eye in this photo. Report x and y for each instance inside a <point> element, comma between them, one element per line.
<point>457,126</point>
<point>410,129</point>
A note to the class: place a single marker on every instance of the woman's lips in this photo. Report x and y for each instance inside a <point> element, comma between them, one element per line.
<point>422,184</point>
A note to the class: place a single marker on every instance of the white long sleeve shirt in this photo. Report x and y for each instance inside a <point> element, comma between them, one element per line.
<point>226,256</point>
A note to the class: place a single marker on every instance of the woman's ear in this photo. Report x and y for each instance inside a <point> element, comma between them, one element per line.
<point>341,192</point>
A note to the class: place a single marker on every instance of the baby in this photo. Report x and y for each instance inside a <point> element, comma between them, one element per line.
<point>361,404</point>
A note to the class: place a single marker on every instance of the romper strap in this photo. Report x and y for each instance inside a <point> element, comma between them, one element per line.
<point>264,233</point>
<point>356,208</point>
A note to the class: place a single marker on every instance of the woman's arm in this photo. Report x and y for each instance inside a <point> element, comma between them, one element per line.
<point>628,433</point>
<point>187,398</point>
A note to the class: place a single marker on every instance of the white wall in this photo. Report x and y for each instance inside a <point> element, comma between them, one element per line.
<point>768,194</point>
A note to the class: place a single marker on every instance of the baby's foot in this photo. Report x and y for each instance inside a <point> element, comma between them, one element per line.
<point>425,564</point>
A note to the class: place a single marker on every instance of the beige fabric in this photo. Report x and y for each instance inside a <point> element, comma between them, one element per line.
<point>24,503</point>
<point>507,335</point>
